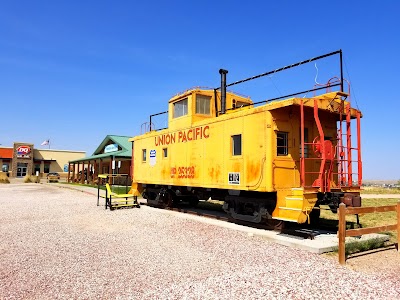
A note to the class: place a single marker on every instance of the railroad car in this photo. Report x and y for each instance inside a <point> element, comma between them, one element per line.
<point>270,161</point>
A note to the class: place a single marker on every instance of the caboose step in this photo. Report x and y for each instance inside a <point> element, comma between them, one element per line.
<point>124,205</point>
<point>293,202</point>
<point>297,191</point>
<point>290,214</point>
<point>289,208</point>
<point>284,219</point>
<point>294,198</point>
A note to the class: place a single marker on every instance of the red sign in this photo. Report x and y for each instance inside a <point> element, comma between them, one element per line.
<point>23,151</point>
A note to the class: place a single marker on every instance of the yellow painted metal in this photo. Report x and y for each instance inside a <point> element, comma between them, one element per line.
<point>197,149</point>
<point>135,189</point>
<point>200,153</point>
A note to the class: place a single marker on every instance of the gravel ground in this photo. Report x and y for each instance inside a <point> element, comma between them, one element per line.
<point>57,244</point>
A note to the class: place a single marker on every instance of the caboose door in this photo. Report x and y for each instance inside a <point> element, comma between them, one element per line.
<point>311,165</point>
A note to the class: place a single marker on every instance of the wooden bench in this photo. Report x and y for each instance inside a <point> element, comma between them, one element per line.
<point>130,200</point>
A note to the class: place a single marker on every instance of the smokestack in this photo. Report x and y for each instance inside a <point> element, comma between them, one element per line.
<point>223,90</point>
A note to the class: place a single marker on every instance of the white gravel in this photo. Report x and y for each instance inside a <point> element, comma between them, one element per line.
<point>57,244</point>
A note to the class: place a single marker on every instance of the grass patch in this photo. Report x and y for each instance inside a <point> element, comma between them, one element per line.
<point>378,190</point>
<point>361,246</point>
<point>329,219</point>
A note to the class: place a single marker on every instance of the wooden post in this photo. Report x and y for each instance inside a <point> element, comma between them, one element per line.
<point>83,172</point>
<point>398,226</point>
<point>69,171</point>
<point>342,234</point>
<point>87,172</point>
<point>77,173</point>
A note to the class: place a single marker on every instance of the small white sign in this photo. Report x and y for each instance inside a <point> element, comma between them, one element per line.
<point>113,164</point>
<point>119,164</point>
<point>234,178</point>
<point>111,148</point>
<point>153,158</point>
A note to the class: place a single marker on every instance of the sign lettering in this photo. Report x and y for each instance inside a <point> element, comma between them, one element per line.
<point>23,151</point>
<point>234,178</point>
<point>183,136</point>
<point>183,172</point>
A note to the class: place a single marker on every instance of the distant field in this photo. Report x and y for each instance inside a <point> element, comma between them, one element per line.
<point>379,190</point>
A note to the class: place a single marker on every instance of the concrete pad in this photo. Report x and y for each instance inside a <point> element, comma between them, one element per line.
<point>322,242</point>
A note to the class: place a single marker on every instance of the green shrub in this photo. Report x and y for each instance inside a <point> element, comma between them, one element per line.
<point>361,246</point>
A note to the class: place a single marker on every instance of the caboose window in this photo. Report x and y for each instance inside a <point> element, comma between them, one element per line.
<point>181,108</point>
<point>237,144</point>
<point>144,155</point>
<point>203,104</point>
<point>282,143</point>
<point>240,104</point>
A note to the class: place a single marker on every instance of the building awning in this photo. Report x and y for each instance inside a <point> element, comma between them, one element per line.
<point>38,160</point>
<point>118,155</point>
<point>6,153</point>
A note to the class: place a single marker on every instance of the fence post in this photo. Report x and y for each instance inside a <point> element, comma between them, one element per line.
<point>342,233</point>
<point>398,226</point>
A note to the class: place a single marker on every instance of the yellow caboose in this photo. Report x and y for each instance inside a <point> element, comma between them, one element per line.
<point>275,160</point>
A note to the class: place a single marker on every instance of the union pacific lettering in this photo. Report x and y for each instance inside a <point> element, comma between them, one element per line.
<point>183,136</point>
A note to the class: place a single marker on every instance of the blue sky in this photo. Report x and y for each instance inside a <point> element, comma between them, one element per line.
<point>75,71</point>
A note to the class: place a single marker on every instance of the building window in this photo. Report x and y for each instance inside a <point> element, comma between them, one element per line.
<point>305,142</point>
<point>165,152</point>
<point>5,167</point>
<point>237,144</point>
<point>181,108</point>
<point>46,168</point>
<point>203,104</point>
<point>282,143</point>
<point>144,155</point>
<point>36,168</point>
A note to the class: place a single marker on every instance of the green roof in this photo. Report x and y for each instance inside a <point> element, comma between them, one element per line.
<point>122,141</point>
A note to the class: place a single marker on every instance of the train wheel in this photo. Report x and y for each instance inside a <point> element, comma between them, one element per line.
<point>167,199</point>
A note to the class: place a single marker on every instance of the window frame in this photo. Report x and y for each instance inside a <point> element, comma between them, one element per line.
<point>46,167</point>
<point>285,137</point>
<point>5,167</point>
<point>144,155</point>
<point>234,144</point>
<point>175,105</point>
<point>205,99</point>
